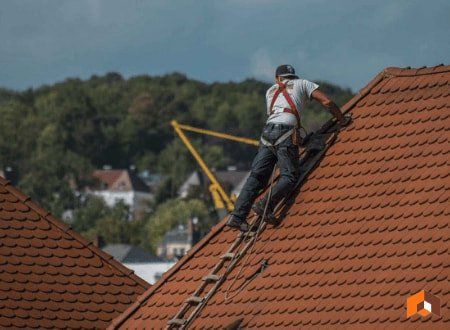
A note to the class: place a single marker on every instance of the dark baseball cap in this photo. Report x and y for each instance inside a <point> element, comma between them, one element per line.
<point>285,70</point>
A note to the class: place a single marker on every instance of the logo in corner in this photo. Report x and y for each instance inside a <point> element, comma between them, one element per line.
<point>423,303</point>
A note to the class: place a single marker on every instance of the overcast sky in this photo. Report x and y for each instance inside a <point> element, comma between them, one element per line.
<point>345,42</point>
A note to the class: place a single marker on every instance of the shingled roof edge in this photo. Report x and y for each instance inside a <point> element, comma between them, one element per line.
<point>385,73</point>
<point>393,72</point>
<point>408,71</point>
<point>69,231</point>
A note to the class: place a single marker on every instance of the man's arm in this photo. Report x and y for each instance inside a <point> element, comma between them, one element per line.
<point>331,106</point>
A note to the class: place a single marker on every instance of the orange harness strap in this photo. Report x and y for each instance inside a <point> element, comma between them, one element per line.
<point>293,109</point>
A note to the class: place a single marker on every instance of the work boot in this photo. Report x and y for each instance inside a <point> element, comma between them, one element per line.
<point>259,207</point>
<point>234,222</point>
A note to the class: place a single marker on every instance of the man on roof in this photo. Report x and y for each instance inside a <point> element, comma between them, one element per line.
<point>279,145</point>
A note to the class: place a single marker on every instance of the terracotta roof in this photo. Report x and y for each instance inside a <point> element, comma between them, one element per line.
<point>369,227</point>
<point>120,180</point>
<point>50,276</point>
<point>108,177</point>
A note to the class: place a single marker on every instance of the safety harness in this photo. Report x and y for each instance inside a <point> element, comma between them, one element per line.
<point>292,109</point>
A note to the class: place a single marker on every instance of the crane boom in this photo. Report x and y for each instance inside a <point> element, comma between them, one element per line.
<point>216,188</point>
<point>218,134</point>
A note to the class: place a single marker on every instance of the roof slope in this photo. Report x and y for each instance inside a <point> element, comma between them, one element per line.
<point>50,276</point>
<point>369,227</point>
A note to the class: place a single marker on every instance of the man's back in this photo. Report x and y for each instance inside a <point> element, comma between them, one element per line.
<point>279,145</point>
<point>299,90</point>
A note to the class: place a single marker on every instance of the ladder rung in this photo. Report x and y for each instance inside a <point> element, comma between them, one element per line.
<point>176,322</point>
<point>194,300</point>
<point>247,234</point>
<point>211,278</point>
<point>227,256</point>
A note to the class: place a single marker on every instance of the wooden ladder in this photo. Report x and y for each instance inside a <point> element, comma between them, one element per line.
<point>307,164</point>
<point>196,300</point>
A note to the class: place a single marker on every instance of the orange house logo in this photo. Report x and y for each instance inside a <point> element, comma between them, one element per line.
<point>423,303</point>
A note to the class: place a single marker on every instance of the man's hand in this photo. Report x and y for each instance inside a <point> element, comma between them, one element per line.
<point>331,106</point>
<point>347,119</point>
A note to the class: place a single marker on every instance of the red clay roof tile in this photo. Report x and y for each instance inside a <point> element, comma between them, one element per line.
<point>368,228</point>
<point>51,277</point>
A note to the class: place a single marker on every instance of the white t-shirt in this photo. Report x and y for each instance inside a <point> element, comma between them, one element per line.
<point>299,90</point>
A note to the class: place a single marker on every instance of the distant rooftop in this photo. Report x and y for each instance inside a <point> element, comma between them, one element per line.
<point>129,254</point>
<point>119,180</point>
<point>231,179</point>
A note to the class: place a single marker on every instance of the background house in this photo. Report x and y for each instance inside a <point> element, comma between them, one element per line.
<point>178,241</point>
<point>121,185</point>
<point>231,179</point>
<point>126,253</point>
<point>193,180</point>
<point>144,264</point>
<point>9,174</point>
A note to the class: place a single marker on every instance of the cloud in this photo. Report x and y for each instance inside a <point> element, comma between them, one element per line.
<point>345,42</point>
<point>262,65</point>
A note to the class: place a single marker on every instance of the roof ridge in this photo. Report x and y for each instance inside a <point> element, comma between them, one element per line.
<point>393,72</point>
<point>388,73</point>
<point>69,231</point>
<point>408,71</point>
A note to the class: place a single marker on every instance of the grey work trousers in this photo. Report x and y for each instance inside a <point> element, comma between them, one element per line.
<point>285,155</point>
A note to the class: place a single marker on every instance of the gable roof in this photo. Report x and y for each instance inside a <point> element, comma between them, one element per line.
<point>368,228</point>
<point>127,253</point>
<point>235,179</point>
<point>179,234</point>
<point>50,276</point>
<point>120,180</point>
<point>231,179</point>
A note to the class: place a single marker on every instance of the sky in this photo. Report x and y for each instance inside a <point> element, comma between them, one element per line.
<point>346,42</point>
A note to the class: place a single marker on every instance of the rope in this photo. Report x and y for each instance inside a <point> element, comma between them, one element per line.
<point>259,229</point>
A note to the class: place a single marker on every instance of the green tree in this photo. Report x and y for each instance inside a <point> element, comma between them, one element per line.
<point>55,135</point>
<point>86,217</point>
<point>112,225</point>
<point>170,214</point>
<point>47,179</point>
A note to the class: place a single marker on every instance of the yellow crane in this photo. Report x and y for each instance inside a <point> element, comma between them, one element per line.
<point>220,197</point>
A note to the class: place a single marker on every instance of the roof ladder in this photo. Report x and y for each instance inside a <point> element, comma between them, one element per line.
<point>181,320</point>
<point>234,254</point>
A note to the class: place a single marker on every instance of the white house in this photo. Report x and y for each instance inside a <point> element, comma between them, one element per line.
<point>121,185</point>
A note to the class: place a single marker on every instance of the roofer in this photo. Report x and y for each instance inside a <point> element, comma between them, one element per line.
<point>279,144</point>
